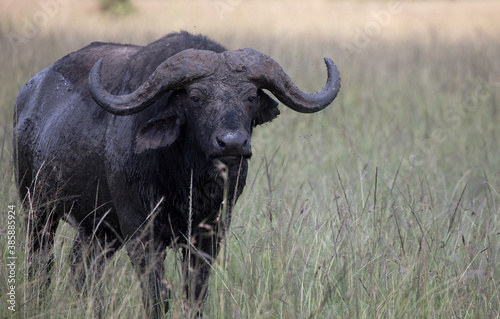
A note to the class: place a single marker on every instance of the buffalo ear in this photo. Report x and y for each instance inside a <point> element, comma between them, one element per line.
<point>157,133</point>
<point>269,109</point>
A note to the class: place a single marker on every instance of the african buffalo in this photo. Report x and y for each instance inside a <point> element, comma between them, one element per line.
<point>146,147</point>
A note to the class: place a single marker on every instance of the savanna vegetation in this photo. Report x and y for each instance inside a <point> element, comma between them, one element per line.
<point>384,205</point>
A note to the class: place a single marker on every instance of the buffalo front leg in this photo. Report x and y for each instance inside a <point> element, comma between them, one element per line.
<point>147,257</point>
<point>198,259</point>
<point>89,256</point>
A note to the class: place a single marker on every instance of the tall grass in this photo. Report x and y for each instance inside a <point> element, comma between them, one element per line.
<point>384,205</point>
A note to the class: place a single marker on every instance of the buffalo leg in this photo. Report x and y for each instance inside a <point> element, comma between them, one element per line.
<point>147,257</point>
<point>197,271</point>
<point>41,227</point>
<point>76,263</point>
<point>98,252</point>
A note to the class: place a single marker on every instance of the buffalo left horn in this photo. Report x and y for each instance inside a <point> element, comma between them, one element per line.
<point>268,74</point>
<point>177,70</point>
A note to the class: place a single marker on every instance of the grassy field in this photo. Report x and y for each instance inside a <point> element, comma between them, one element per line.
<point>384,205</point>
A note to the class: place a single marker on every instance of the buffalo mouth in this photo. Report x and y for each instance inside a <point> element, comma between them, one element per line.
<point>230,157</point>
<point>230,160</point>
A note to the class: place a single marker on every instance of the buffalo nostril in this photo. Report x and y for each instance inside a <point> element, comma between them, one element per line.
<point>220,143</point>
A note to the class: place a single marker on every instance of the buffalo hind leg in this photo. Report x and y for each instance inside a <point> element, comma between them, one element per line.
<point>147,256</point>
<point>41,227</point>
<point>77,266</point>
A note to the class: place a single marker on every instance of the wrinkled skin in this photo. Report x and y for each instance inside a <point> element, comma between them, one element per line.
<point>146,181</point>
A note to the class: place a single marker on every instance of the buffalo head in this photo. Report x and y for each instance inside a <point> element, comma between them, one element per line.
<point>219,97</point>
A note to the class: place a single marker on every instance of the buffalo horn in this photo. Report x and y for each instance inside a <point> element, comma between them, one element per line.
<point>177,70</point>
<point>268,74</point>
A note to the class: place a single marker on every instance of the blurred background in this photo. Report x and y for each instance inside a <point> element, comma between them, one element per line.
<point>385,204</point>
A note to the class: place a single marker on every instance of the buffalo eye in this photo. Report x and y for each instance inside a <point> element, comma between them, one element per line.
<point>252,98</point>
<point>195,99</point>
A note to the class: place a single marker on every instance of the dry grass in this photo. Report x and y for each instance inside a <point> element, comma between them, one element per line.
<point>449,19</point>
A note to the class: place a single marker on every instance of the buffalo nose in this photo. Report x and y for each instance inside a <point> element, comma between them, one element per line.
<point>233,143</point>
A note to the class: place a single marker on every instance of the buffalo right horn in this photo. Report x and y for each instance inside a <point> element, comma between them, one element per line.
<point>268,74</point>
<point>180,68</point>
